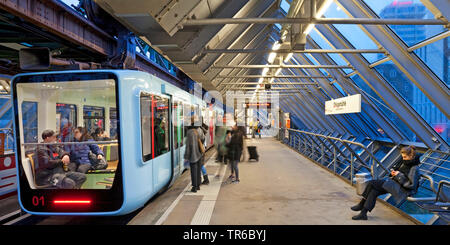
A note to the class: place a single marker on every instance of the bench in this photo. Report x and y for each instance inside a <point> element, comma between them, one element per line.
<point>439,204</point>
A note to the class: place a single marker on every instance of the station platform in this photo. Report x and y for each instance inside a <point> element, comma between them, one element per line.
<point>282,188</point>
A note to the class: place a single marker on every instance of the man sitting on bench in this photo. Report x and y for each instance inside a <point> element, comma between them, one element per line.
<point>52,165</point>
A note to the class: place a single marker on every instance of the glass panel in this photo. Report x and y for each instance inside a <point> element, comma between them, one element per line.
<point>415,98</point>
<point>436,56</point>
<point>66,119</point>
<point>353,33</point>
<point>383,107</point>
<point>411,9</point>
<point>337,58</point>
<point>94,117</point>
<point>146,127</point>
<point>29,121</point>
<point>161,124</point>
<point>79,162</point>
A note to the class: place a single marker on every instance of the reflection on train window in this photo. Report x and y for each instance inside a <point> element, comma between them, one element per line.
<point>161,124</point>
<point>113,123</point>
<point>29,121</point>
<point>146,126</point>
<point>94,117</point>
<point>77,162</point>
<point>177,122</point>
<point>66,119</point>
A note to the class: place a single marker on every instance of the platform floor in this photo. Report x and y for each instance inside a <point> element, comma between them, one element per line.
<point>283,188</point>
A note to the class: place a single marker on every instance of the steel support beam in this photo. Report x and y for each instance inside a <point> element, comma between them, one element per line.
<point>367,105</point>
<point>337,51</point>
<point>62,21</point>
<point>332,93</point>
<point>358,21</point>
<point>268,76</point>
<point>279,66</point>
<point>419,73</point>
<point>389,95</point>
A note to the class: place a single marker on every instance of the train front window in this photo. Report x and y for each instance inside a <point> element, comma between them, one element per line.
<point>66,154</point>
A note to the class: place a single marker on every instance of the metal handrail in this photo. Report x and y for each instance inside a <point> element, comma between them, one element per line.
<point>345,141</point>
<point>73,143</point>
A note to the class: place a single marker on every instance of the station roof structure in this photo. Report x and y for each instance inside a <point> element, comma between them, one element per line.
<point>394,53</point>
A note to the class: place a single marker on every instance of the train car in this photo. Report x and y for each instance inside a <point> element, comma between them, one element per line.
<point>144,119</point>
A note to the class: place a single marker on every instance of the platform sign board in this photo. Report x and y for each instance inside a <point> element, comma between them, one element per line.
<point>349,104</point>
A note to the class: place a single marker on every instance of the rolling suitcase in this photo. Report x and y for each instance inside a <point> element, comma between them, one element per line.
<point>253,154</point>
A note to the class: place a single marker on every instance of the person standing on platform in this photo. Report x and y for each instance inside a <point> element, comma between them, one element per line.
<point>193,155</point>
<point>236,146</point>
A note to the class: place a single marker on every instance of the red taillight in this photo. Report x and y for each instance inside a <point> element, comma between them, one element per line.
<point>80,202</point>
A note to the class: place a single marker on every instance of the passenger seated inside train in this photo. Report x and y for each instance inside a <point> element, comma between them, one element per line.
<point>100,135</point>
<point>160,136</point>
<point>52,165</point>
<point>402,182</point>
<point>85,156</point>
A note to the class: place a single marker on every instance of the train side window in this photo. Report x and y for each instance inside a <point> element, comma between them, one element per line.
<point>161,124</point>
<point>175,123</point>
<point>30,121</point>
<point>146,127</point>
<point>181,126</point>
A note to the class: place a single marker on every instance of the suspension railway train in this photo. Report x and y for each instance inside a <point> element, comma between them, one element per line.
<point>143,116</point>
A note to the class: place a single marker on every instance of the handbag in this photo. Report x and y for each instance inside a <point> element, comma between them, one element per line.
<point>201,147</point>
<point>97,163</point>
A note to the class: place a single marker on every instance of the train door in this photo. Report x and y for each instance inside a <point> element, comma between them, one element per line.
<point>176,146</point>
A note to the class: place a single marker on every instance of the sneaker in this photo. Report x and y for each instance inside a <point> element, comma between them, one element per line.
<point>235,181</point>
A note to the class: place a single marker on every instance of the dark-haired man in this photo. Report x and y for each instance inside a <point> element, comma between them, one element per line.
<point>52,165</point>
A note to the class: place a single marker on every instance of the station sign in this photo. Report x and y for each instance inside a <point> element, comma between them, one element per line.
<point>349,104</point>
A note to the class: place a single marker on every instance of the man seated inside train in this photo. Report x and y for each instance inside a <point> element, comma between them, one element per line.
<point>52,165</point>
<point>85,156</point>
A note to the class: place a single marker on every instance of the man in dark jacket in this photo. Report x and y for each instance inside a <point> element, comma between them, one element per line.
<point>52,163</point>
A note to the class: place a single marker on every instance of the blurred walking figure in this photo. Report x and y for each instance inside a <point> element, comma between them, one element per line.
<point>235,150</point>
<point>202,131</point>
<point>219,141</point>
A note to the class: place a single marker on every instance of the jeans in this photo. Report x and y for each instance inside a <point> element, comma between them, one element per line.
<point>203,170</point>
<point>234,168</point>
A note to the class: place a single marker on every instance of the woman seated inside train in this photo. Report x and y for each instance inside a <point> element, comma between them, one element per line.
<point>80,153</point>
<point>52,164</point>
<point>403,180</point>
